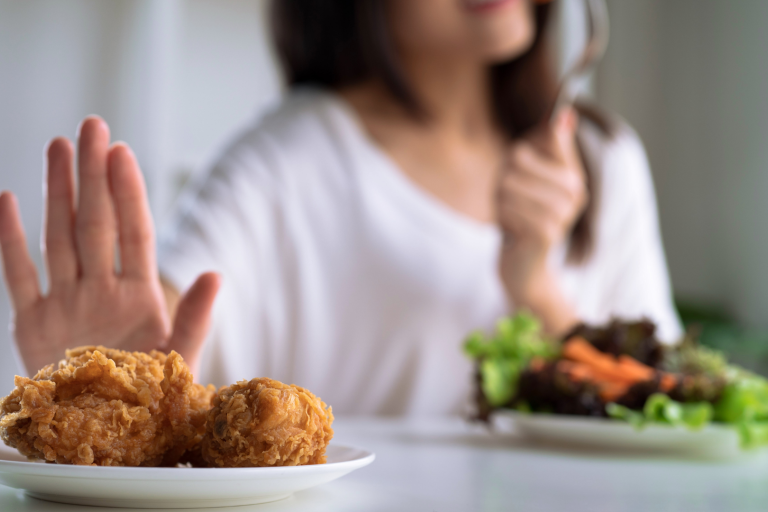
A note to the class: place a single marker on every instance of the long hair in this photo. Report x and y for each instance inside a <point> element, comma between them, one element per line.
<point>338,43</point>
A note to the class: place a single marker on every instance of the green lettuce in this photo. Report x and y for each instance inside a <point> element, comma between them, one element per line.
<point>753,433</point>
<point>503,356</point>
<point>742,405</point>
<point>661,409</point>
<point>620,412</point>
<point>744,398</point>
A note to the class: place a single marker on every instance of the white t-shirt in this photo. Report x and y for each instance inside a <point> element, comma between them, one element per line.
<point>343,276</point>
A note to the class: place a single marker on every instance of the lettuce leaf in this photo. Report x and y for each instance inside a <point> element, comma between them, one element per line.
<point>661,409</point>
<point>753,433</point>
<point>744,404</point>
<point>744,398</point>
<point>635,418</point>
<point>499,378</point>
<point>503,356</point>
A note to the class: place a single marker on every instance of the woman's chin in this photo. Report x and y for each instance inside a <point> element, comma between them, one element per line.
<point>497,50</point>
<point>502,38</point>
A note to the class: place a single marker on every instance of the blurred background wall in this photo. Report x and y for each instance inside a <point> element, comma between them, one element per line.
<point>175,77</point>
<point>171,77</point>
<point>692,76</point>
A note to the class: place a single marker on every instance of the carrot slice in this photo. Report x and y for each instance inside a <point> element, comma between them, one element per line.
<point>610,392</point>
<point>668,382</point>
<point>576,371</point>
<point>579,349</point>
<point>632,366</point>
<point>605,366</point>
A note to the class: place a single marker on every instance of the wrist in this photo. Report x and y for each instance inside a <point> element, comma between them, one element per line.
<point>553,309</point>
<point>525,271</point>
<point>537,289</point>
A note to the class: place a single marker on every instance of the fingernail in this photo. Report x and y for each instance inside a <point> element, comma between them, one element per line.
<point>95,117</point>
<point>572,118</point>
<point>124,145</point>
<point>53,144</point>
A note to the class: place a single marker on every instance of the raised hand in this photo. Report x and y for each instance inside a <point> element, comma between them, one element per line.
<point>90,301</point>
<point>541,194</point>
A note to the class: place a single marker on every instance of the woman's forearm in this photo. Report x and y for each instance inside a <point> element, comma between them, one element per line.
<point>546,300</point>
<point>531,284</point>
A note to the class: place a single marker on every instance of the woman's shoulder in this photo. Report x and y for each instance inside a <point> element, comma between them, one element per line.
<point>614,154</point>
<point>623,183</point>
<point>603,133</point>
<point>305,135</point>
<point>302,122</point>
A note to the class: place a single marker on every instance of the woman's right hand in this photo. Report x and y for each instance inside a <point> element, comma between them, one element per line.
<point>89,301</point>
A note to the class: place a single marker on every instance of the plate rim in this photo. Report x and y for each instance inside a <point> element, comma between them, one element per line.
<point>611,436</point>
<point>139,473</point>
<point>599,420</point>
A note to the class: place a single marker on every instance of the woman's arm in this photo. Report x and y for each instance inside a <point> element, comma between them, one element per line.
<point>89,301</point>
<point>541,194</point>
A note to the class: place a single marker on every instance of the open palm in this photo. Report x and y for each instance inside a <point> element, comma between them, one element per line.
<point>91,301</point>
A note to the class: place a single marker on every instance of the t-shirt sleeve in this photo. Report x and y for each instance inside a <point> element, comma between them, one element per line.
<point>223,223</point>
<point>638,281</point>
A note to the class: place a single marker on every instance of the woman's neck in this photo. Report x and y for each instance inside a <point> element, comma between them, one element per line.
<point>455,150</point>
<point>455,95</point>
<point>455,98</point>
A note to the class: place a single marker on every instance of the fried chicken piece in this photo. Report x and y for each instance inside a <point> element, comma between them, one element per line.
<point>264,422</point>
<point>107,407</point>
<point>186,407</point>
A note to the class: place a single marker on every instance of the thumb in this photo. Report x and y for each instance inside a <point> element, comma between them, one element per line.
<point>193,317</point>
<point>564,132</point>
<point>556,139</point>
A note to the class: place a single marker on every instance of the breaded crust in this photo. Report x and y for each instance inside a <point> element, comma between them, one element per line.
<point>107,407</point>
<point>263,422</point>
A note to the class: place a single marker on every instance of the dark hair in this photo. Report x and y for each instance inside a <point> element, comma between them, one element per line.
<point>337,43</point>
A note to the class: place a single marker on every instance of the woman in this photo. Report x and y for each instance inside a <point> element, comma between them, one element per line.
<point>408,190</point>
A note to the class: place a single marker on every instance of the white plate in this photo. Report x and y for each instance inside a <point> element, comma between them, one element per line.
<point>176,487</point>
<point>712,440</point>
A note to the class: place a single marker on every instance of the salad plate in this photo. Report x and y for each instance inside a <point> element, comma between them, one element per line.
<point>174,487</point>
<point>712,440</point>
<point>617,386</point>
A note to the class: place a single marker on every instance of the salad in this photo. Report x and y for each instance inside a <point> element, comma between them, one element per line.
<point>618,371</point>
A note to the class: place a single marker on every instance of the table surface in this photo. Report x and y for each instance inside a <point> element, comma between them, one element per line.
<point>450,465</point>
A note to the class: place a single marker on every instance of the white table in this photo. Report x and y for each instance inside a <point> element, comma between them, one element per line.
<point>448,465</point>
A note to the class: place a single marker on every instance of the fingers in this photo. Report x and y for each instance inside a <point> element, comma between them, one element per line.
<point>193,317</point>
<point>531,172</point>
<point>526,158</point>
<point>541,189</point>
<point>20,272</point>
<point>134,219</point>
<point>530,219</point>
<point>558,140</point>
<point>95,224</point>
<point>527,166</point>
<point>528,206</point>
<point>565,135</point>
<point>540,196</point>
<point>60,251</point>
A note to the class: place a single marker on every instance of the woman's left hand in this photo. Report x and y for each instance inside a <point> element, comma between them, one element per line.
<point>542,192</point>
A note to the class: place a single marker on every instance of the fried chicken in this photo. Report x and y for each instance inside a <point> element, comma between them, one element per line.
<point>107,407</point>
<point>264,422</point>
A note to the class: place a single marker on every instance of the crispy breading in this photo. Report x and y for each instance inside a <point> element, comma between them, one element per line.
<point>185,405</point>
<point>264,422</point>
<point>107,407</point>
